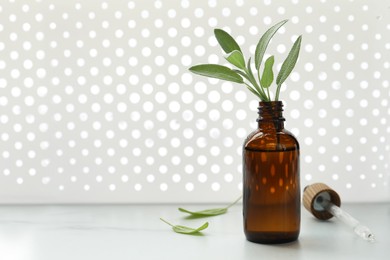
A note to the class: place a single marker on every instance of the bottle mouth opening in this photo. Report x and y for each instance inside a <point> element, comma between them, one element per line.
<point>277,105</point>
<point>268,103</point>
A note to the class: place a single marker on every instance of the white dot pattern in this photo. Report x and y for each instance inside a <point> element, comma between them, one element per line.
<point>97,104</point>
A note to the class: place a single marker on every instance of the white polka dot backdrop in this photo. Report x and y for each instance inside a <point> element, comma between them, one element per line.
<point>97,103</point>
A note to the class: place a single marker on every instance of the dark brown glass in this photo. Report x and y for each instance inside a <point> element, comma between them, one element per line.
<point>271,199</point>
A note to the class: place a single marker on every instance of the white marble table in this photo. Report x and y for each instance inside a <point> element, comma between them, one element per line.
<point>70,232</point>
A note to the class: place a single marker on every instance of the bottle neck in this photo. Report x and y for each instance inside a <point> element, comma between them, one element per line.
<point>271,116</point>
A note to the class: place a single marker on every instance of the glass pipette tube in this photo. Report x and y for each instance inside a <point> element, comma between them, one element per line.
<point>361,230</point>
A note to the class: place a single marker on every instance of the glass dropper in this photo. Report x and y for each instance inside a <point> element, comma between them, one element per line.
<point>361,230</point>
<point>324,203</point>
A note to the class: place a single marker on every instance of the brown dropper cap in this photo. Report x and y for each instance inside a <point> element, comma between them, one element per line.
<point>310,194</point>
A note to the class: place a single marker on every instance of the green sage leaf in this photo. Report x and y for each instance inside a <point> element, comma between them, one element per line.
<point>226,41</point>
<point>255,86</point>
<point>206,212</point>
<point>242,74</point>
<point>209,212</point>
<point>216,71</point>
<point>186,230</point>
<point>264,41</point>
<point>288,65</point>
<point>251,89</point>
<point>237,59</point>
<point>268,75</point>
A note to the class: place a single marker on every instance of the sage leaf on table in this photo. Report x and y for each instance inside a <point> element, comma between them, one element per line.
<point>186,230</point>
<point>209,212</point>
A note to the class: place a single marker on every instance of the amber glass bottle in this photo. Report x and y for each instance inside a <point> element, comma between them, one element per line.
<point>271,199</point>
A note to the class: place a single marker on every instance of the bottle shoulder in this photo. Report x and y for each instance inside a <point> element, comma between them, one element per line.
<point>283,140</point>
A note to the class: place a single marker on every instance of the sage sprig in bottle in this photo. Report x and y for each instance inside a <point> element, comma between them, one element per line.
<point>271,153</point>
